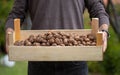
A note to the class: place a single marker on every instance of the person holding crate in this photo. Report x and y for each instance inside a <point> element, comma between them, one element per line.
<point>58,14</point>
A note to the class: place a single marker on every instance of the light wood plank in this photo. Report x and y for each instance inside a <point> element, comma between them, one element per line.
<point>56,53</point>
<point>17,29</point>
<point>99,39</point>
<point>95,26</point>
<point>10,38</point>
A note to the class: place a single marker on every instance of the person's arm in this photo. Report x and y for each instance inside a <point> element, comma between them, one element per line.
<point>18,11</point>
<point>96,10</point>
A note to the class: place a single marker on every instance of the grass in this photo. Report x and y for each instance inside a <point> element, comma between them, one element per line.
<point>20,68</point>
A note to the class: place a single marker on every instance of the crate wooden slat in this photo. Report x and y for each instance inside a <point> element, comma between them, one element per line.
<point>54,53</point>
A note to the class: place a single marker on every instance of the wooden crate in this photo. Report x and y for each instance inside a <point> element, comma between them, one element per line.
<point>54,53</point>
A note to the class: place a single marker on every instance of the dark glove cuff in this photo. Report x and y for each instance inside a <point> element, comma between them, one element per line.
<point>108,34</point>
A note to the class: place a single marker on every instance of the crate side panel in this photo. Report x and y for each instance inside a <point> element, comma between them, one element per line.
<point>55,53</point>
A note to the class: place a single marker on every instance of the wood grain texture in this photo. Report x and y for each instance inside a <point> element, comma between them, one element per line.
<point>55,53</point>
<point>10,38</point>
<point>99,39</point>
<point>17,29</point>
<point>95,26</point>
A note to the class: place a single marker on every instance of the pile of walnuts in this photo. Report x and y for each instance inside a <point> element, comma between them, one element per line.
<point>58,39</point>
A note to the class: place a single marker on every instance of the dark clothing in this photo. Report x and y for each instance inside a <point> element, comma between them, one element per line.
<point>57,14</point>
<point>58,68</point>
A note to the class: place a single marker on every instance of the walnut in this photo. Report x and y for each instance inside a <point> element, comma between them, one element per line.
<point>18,43</point>
<point>65,41</point>
<point>70,44</point>
<point>62,44</point>
<point>58,39</point>
<point>50,36</point>
<point>88,43</point>
<point>32,38</point>
<point>47,44</point>
<point>71,40</point>
<point>43,44</point>
<point>51,40</point>
<point>93,44</point>
<point>54,44</point>
<point>77,38</point>
<point>75,43</point>
<point>90,36</point>
<point>40,39</point>
<point>36,44</point>
<point>87,39</point>
<point>27,43</point>
<point>83,42</point>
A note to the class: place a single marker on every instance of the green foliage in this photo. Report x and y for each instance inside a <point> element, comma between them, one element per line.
<point>5,7</point>
<point>110,65</point>
<point>111,60</point>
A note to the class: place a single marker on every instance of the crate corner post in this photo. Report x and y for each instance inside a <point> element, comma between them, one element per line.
<point>17,29</point>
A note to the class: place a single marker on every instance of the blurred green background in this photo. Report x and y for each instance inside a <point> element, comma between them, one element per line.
<point>110,65</point>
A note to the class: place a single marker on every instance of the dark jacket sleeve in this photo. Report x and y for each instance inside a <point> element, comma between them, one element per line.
<point>18,11</point>
<point>96,10</point>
